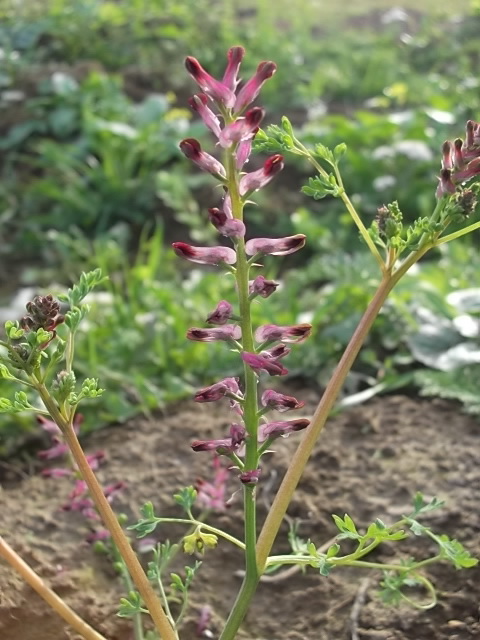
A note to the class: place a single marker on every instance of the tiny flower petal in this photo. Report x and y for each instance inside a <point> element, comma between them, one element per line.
<point>212,445</point>
<point>192,150</point>
<point>251,89</point>
<point>275,246</point>
<point>258,179</point>
<point>218,390</point>
<point>198,103</point>
<point>447,160</point>
<point>227,332</point>
<point>262,287</point>
<point>57,472</point>
<point>205,255</point>
<point>212,87</point>
<point>235,57</point>
<point>281,428</point>
<point>261,363</point>
<point>272,332</point>
<point>279,401</point>
<point>221,314</point>
<point>459,160</point>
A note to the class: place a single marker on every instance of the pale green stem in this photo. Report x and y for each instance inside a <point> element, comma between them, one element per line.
<point>457,234</point>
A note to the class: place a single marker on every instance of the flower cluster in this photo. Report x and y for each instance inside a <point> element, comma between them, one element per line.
<point>460,160</point>
<point>228,113</point>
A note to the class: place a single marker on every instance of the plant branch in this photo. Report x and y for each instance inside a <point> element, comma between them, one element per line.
<point>295,469</point>
<point>50,597</point>
<point>110,520</point>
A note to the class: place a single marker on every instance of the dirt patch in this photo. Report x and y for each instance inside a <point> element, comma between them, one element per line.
<point>369,463</point>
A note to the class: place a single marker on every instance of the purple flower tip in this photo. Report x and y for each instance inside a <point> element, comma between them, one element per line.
<point>226,332</point>
<point>221,314</point>
<point>262,363</point>
<point>275,246</point>
<point>205,255</point>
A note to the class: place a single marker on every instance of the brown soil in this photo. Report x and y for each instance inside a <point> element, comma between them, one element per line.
<point>369,463</point>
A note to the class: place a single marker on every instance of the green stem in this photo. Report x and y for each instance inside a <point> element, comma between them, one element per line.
<point>457,234</point>
<point>250,416</point>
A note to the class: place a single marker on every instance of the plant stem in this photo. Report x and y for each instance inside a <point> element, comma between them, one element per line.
<point>50,597</point>
<point>110,520</point>
<point>295,469</point>
<point>250,415</point>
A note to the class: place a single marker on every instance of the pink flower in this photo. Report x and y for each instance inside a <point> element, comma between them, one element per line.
<point>227,332</point>
<point>262,287</point>
<point>281,428</point>
<point>272,333</point>
<point>235,57</point>
<point>251,89</point>
<point>218,390</point>
<point>212,495</point>
<point>276,352</point>
<point>242,128</point>
<point>258,179</point>
<point>192,150</point>
<point>445,185</point>
<point>57,472</point>
<point>227,226</point>
<point>221,314</point>
<point>198,103</point>
<point>205,255</point>
<point>244,150</point>
<point>58,450</point>
<point>274,400</point>
<point>275,246</point>
<point>223,446</point>
<point>261,363</point>
<point>216,90</point>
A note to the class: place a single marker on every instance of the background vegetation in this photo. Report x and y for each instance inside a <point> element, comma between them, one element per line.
<point>93,98</point>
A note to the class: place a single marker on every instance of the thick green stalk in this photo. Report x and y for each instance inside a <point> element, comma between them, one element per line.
<point>250,412</point>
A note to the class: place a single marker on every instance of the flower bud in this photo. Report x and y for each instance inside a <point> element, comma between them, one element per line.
<point>242,128</point>
<point>250,477</point>
<point>205,255</point>
<point>251,89</point>
<point>209,85</point>
<point>218,390</point>
<point>262,287</point>
<point>275,246</point>
<point>261,363</point>
<point>221,314</point>
<point>282,428</point>
<point>258,179</point>
<point>235,57</point>
<point>191,149</point>
<point>198,103</point>
<point>279,401</point>
<point>227,332</point>
<point>273,333</point>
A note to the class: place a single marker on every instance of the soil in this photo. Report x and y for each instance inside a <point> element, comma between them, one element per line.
<point>369,463</point>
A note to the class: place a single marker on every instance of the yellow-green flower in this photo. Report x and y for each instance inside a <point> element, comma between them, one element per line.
<point>198,541</point>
